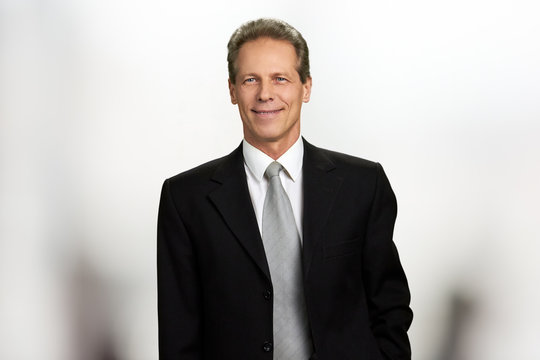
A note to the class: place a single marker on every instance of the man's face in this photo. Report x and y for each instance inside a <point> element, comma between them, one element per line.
<point>269,92</point>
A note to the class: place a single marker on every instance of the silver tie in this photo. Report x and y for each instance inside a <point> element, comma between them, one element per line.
<point>283,253</point>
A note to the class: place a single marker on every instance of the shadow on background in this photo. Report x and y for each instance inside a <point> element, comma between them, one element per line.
<point>92,306</point>
<point>461,309</point>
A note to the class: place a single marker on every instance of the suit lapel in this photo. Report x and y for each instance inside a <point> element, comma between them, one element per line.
<point>233,202</point>
<point>320,189</point>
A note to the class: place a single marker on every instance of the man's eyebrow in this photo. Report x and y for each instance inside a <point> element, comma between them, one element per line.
<point>280,73</point>
<point>277,73</point>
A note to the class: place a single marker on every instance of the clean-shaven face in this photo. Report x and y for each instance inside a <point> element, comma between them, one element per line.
<point>269,92</point>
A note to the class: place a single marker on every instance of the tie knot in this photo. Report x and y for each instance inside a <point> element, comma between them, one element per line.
<point>273,169</point>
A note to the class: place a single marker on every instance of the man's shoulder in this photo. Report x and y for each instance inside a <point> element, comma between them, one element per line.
<point>342,160</point>
<point>204,170</point>
<point>207,170</point>
<point>354,171</point>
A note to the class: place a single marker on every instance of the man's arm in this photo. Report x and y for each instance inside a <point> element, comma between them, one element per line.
<point>178,286</point>
<point>386,285</point>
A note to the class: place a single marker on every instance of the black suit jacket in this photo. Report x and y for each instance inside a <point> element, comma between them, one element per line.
<point>214,288</point>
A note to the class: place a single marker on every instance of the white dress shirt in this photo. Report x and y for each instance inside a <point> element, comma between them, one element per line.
<point>255,164</point>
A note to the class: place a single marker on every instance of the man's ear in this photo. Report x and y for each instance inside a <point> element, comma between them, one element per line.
<point>232,93</point>
<point>307,90</point>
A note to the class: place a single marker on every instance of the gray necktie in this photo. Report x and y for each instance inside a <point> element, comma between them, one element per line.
<point>283,252</point>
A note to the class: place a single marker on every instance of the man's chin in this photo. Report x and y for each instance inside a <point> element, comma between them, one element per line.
<point>272,139</point>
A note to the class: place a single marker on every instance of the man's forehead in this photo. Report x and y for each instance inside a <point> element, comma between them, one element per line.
<point>266,41</point>
<point>268,52</point>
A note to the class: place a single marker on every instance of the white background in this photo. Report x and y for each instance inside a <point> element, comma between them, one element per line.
<point>102,100</point>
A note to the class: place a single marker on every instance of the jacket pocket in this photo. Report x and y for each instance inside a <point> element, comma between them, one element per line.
<point>341,249</point>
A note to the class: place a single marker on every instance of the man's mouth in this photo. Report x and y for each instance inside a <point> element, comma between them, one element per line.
<point>266,112</point>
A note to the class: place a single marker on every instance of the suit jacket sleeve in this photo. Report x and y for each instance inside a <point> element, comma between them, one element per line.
<point>178,286</point>
<point>386,285</point>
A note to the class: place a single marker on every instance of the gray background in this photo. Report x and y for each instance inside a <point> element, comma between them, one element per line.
<point>102,100</point>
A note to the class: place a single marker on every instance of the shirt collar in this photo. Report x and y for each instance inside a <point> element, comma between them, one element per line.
<point>257,161</point>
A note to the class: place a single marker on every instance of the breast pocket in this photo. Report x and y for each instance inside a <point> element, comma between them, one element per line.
<point>341,249</point>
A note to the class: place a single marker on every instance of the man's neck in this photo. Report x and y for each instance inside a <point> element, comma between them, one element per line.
<point>274,149</point>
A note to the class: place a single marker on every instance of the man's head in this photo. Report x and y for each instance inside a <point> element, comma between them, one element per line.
<point>270,28</point>
<point>269,82</point>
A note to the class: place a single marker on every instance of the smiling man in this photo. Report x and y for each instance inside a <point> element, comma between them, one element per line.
<point>269,93</point>
<point>279,250</point>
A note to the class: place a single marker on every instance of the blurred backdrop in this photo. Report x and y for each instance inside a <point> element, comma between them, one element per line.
<point>101,100</point>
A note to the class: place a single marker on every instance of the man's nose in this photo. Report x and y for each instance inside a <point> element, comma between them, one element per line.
<point>265,91</point>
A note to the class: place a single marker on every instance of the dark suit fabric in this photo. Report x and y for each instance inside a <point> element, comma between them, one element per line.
<point>214,287</point>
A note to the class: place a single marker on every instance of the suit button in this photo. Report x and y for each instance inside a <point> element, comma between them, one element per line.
<point>267,346</point>
<point>267,294</point>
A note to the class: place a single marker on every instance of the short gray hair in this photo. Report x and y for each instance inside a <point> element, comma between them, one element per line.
<point>274,29</point>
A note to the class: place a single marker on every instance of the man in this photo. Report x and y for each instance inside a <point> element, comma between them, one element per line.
<point>279,250</point>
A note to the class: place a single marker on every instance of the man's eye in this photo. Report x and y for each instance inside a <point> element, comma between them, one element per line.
<point>280,79</point>
<point>249,80</point>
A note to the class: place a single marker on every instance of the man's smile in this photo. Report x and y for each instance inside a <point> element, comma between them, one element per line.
<point>266,112</point>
